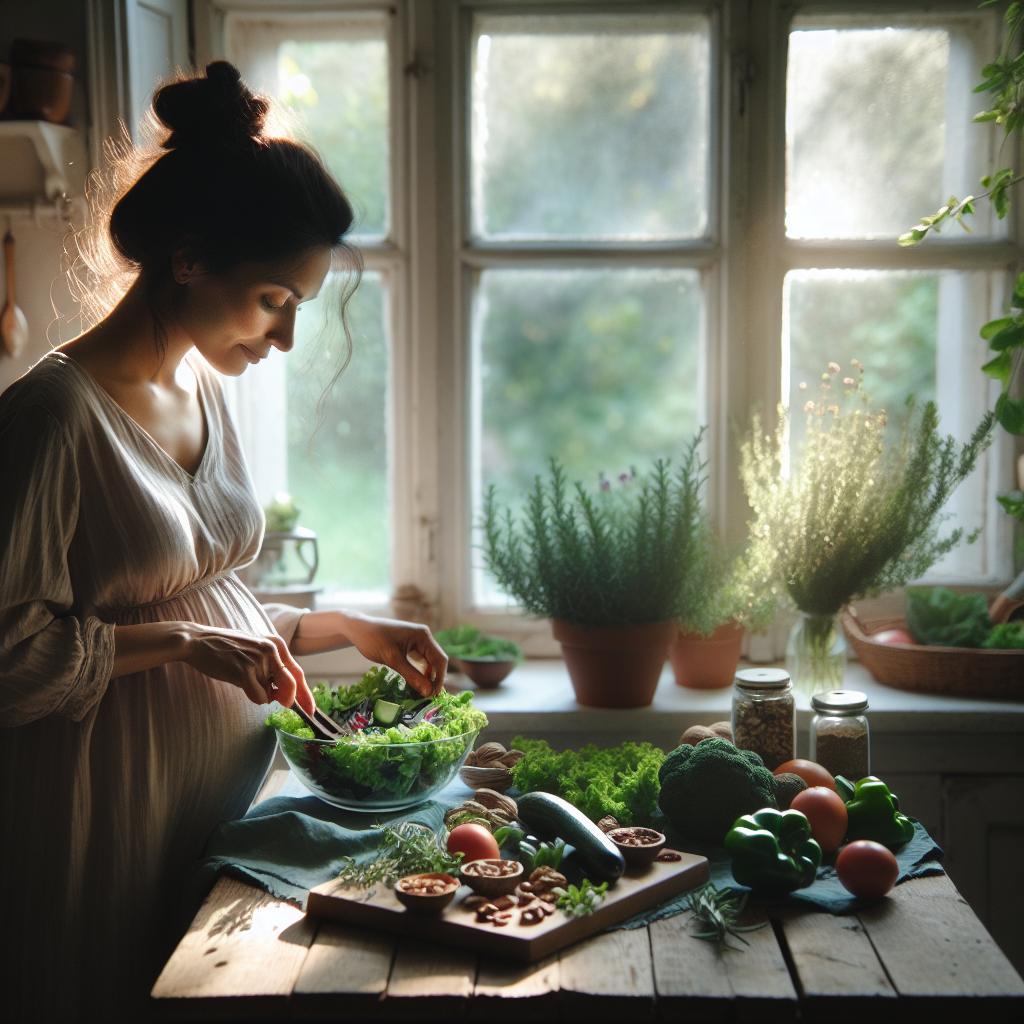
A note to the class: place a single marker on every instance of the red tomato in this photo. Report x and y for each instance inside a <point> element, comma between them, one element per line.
<point>892,636</point>
<point>867,869</point>
<point>810,771</point>
<point>473,841</point>
<point>826,812</point>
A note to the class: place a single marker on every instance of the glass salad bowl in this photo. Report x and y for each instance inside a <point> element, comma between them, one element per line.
<point>367,773</point>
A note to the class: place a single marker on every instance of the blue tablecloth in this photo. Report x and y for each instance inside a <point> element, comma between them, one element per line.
<point>294,841</point>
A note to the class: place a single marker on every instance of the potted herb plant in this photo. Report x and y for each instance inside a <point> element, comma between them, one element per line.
<point>724,595</point>
<point>606,567</point>
<point>857,514</point>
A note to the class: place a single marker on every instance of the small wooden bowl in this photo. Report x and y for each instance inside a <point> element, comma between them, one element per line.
<point>422,903</point>
<point>491,886</point>
<point>486,673</point>
<point>637,856</point>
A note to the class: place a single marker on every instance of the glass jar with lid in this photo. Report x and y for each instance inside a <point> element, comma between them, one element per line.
<point>840,738</point>
<point>763,714</point>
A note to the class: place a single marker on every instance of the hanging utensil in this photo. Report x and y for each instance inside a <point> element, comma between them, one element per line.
<point>13,325</point>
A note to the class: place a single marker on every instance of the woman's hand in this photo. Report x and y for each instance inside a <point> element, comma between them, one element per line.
<point>407,647</point>
<point>261,666</point>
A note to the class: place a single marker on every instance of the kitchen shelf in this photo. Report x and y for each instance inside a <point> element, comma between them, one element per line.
<point>45,173</point>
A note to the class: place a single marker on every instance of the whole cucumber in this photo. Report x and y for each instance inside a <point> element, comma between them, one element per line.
<point>552,816</point>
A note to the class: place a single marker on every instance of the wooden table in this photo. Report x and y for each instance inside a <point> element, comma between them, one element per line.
<point>248,955</point>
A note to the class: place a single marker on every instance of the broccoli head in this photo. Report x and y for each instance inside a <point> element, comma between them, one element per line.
<point>705,788</point>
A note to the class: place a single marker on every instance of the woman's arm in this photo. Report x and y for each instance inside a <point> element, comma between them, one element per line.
<point>261,666</point>
<point>407,647</point>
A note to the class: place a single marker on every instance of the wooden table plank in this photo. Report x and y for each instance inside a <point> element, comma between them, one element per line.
<point>429,980</point>
<point>505,990</point>
<point>609,975</point>
<point>837,970</point>
<point>245,949</point>
<point>934,947</point>
<point>345,966</point>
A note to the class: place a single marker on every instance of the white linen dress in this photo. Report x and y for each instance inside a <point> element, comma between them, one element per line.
<point>109,788</point>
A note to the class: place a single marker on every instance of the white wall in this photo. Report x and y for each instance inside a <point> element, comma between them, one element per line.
<point>39,281</point>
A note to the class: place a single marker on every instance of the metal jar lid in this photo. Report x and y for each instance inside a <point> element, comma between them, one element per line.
<point>844,701</point>
<point>762,678</point>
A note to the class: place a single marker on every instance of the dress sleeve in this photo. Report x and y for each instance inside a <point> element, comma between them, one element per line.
<point>285,618</point>
<point>51,661</point>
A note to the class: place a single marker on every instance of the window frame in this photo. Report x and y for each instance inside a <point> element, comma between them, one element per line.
<point>432,261</point>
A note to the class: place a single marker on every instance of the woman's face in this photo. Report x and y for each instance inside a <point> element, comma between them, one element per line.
<point>236,318</point>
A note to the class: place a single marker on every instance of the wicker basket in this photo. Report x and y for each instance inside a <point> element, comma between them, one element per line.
<point>956,671</point>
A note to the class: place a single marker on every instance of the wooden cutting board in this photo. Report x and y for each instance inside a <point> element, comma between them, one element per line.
<point>458,926</point>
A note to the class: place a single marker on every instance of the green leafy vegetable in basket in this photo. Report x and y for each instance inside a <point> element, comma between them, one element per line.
<point>942,617</point>
<point>621,781</point>
<point>1007,635</point>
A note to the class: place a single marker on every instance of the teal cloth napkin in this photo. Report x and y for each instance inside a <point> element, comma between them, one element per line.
<point>920,857</point>
<point>294,841</point>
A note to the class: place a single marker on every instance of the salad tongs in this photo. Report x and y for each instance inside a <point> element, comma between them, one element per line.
<point>324,727</point>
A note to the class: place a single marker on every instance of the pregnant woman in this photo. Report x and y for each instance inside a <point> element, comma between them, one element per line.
<point>134,665</point>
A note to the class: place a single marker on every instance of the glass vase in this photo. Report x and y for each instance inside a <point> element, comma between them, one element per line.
<point>816,653</point>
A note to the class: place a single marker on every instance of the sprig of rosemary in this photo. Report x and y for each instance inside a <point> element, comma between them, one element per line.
<point>408,849</point>
<point>718,911</point>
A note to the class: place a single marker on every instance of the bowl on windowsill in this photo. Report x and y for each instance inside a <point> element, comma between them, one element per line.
<point>486,673</point>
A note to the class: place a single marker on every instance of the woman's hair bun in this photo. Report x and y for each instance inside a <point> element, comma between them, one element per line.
<point>217,110</point>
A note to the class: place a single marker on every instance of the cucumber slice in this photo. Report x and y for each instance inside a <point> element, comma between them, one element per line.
<point>385,712</point>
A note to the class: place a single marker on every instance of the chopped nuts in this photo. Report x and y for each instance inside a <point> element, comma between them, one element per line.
<point>607,823</point>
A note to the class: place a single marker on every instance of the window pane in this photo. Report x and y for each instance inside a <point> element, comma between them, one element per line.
<point>329,72</point>
<point>916,333</point>
<point>878,126</point>
<point>338,90</point>
<point>590,126</point>
<point>599,368</point>
<point>339,476</point>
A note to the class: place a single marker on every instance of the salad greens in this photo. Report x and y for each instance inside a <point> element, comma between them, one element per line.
<point>469,642</point>
<point>621,781</point>
<point>937,615</point>
<point>377,762</point>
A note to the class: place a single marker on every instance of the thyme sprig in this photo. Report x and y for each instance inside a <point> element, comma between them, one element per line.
<point>718,912</point>
<point>409,849</point>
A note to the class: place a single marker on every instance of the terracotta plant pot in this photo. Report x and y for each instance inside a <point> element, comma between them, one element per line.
<point>707,662</point>
<point>614,666</point>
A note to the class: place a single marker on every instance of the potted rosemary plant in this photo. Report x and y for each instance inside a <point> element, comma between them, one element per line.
<point>858,514</point>
<point>606,567</point>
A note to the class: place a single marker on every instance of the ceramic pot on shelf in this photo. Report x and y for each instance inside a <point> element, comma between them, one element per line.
<point>707,662</point>
<point>42,80</point>
<point>614,666</point>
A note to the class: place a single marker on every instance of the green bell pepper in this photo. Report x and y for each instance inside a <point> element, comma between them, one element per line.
<point>773,850</point>
<point>874,813</point>
<point>845,788</point>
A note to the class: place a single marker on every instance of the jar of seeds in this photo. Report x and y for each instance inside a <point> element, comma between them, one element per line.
<point>840,739</point>
<point>763,714</point>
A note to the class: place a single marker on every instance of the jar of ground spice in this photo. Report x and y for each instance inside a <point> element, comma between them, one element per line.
<point>763,714</point>
<point>840,739</point>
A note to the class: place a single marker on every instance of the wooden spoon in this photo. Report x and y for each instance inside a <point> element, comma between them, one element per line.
<point>13,325</point>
